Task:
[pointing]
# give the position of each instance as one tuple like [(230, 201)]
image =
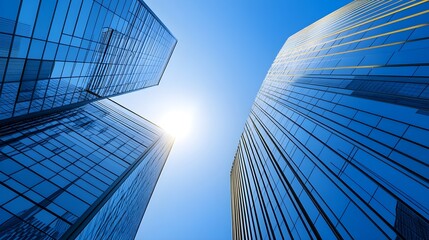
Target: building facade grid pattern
[(59, 168), (72, 163), (336, 142), (56, 53)]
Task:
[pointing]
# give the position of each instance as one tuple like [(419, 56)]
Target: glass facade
[(58, 53), (337, 142), (85, 173), (74, 165)]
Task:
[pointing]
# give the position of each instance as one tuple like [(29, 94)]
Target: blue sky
[(224, 50)]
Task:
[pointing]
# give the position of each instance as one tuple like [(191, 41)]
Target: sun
[(177, 123)]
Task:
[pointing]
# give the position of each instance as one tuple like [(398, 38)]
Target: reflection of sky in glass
[(56, 167), (224, 50), (333, 136), (91, 46)]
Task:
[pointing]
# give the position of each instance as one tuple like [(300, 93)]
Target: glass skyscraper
[(87, 172), (60, 53), (337, 141), (74, 165)]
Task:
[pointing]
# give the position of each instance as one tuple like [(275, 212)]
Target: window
[(27, 16)]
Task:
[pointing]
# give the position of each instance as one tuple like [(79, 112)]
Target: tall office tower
[(62, 53), (72, 167), (337, 141), (84, 173)]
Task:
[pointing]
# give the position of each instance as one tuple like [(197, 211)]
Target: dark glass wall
[(57, 53), (89, 171), (337, 141)]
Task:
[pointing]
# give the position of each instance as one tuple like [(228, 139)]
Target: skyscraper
[(74, 165), (336, 144), (61, 53), (87, 172)]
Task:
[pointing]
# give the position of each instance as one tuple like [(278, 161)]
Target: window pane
[(14, 70), (5, 41), (58, 21), (44, 19), (72, 17), (27, 17), (20, 47), (36, 49), (8, 12)]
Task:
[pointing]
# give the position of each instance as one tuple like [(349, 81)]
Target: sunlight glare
[(177, 123)]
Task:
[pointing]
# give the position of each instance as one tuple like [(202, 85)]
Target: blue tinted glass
[(18, 205), (72, 16), (58, 20), (362, 81), (44, 18), (20, 47), (83, 17), (6, 41), (8, 13), (6, 195), (14, 70), (36, 49), (27, 17)]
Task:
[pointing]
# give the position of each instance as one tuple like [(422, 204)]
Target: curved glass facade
[(57, 53), (336, 144)]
